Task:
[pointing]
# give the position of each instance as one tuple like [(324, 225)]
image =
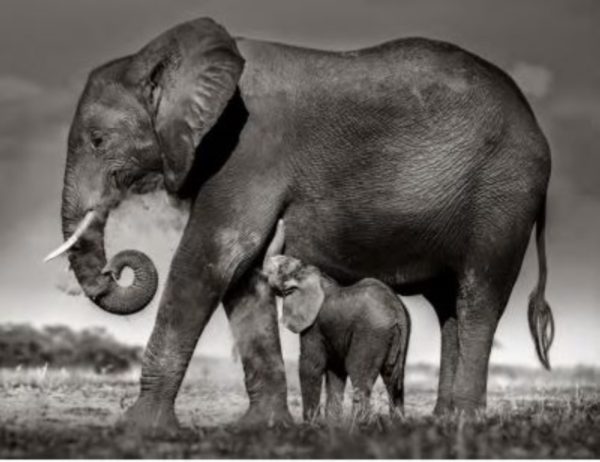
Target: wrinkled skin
[(358, 331), (413, 162)]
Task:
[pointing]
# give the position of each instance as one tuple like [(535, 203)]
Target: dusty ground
[(71, 414)]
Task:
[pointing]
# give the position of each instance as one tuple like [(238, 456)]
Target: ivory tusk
[(277, 243), (83, 225)]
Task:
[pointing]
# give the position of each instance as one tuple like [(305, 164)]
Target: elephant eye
[(288, 290), (96, 140)]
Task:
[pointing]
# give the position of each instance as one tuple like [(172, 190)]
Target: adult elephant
[(413, 161)]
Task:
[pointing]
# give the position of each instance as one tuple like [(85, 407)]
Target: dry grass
[(47, 413)]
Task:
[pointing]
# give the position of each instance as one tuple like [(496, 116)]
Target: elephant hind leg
[(482, 297), (479, 308), (443, 298), (363, 363), (395, 389), (484, 287)]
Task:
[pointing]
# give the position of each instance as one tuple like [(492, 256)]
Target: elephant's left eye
[(287, 291), (96, 140)]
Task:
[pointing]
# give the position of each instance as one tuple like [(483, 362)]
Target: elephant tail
[(541, 321)]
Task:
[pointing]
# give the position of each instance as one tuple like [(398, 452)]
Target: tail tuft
[(541, 325), (541, 321)]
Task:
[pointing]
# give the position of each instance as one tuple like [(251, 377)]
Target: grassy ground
[(71, 414)]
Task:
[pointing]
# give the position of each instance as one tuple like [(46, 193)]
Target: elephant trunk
[(88, 260)]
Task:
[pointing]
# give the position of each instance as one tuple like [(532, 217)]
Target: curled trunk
[(97, 278)]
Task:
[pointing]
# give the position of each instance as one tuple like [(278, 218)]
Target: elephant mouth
[(145, 184)]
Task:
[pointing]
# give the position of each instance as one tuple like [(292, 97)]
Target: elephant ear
[(302, 305), (186, 77)]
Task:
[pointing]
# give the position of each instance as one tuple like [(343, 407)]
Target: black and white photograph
[(317, 229)]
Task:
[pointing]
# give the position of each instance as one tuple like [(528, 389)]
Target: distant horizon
[(436, 366), (294, 359)]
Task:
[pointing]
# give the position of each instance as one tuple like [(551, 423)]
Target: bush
[(60, 346)]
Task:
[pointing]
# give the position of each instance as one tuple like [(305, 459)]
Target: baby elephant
[(359, 331)]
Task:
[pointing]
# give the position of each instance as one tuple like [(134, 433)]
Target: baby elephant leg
[(392, 371), (395, 389), (312, 368), (363, 363), (335, 385), (362, 384)]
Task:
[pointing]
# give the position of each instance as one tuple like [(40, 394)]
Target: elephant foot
[(362, 416), (151, 419), (459, 408), (443, 407), (331, 417), (468, 405), (397, 414), (266, 416)]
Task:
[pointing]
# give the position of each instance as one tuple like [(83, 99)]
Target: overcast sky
[(47, 48)]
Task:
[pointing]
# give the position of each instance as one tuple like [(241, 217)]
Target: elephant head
[(301, 289), (299, 284), (141, 115)]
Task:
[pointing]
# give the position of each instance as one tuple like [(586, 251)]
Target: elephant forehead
[(287, 266), (107, 115)]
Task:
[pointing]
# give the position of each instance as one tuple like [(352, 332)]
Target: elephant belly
[(353, 243), (402, 217)]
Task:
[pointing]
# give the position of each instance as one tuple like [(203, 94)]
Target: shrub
[(60, 346)]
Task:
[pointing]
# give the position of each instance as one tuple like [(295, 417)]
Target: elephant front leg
[(252, 314), (200, 273), (229, 225), (184, 310)]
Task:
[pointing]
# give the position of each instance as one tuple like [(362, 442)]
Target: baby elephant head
[(298, 284), (300, 287)]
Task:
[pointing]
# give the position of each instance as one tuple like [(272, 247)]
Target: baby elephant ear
[(301, 307), (186, 77)]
